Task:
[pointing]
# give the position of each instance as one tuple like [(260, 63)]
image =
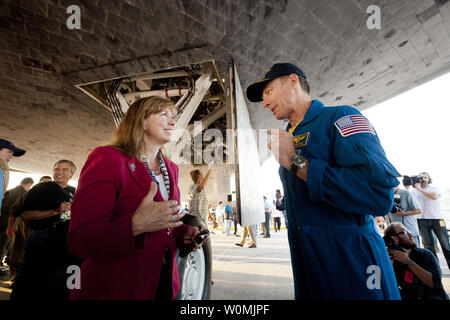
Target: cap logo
[(265, 76)]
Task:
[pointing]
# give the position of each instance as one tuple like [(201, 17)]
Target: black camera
[(390, 244), (411, 180), (199, 239), (396, 207)]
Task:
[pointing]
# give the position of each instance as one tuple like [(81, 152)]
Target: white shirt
[(266, 206), (198, 202), (162, 188), (431, 209), (220, 211), (276, 213)]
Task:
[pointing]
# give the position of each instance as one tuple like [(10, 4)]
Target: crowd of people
[(125, 217), (34, 226)]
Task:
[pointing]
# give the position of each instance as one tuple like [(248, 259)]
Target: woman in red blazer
[(124, 220)]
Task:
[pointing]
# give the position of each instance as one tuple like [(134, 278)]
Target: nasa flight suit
[(336, 253)]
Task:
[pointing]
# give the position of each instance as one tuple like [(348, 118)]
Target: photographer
[(280, 205), (431, 220), (405, 210), (417, 271)]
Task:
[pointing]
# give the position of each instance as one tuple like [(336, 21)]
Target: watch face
[(298, 161)]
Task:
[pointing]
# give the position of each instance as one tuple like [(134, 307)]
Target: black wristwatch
[(297, 162)]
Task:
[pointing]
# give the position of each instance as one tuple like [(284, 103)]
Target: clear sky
[(414, 129)]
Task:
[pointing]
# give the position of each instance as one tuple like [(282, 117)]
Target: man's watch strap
[(297, 162)]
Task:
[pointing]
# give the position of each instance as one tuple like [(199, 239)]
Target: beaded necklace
[(162, 169)]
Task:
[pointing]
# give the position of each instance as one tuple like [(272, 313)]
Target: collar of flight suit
[(313, 111)]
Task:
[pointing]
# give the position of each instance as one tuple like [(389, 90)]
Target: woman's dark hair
[(194, 175)]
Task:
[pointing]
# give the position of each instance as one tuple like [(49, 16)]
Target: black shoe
[(238, 244), (261, 234), (266, 236), (252, 246)]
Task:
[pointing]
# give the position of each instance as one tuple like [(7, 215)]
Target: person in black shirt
[(47, 209), (19, 230), (417, 270), (9, 200)]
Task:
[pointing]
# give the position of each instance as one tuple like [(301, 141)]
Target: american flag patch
[(352, 124)]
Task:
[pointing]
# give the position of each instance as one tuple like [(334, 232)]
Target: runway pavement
[(263, 272), (242, 273)]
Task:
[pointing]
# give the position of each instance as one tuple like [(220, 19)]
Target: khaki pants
[(248, 230)]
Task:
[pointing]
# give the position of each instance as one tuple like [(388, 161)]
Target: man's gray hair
[(72, 164)]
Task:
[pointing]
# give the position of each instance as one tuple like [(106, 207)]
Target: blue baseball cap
[(8, 145), (254, 91)]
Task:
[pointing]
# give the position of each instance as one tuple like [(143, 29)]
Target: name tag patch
[(353, 124)]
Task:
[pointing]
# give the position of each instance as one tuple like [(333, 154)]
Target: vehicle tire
[(195, 270)]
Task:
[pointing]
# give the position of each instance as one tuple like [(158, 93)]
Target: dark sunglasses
[(405, 232)]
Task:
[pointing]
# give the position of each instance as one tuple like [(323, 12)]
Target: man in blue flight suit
[(336, 177)]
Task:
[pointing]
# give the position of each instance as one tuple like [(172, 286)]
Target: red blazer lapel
[(141, 176)]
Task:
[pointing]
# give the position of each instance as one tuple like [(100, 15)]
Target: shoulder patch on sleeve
[(353, 124)]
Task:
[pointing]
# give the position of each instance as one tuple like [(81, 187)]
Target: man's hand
[(282, 146), (64, 206), (400, 256), (418, 186), (400, 212), (10, 232), (153, 216)]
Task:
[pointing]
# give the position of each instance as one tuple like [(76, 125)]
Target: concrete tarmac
[(242, 273), (262, 273)]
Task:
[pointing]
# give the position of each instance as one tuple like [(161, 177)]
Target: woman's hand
[(190, 237), (153, 216)]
